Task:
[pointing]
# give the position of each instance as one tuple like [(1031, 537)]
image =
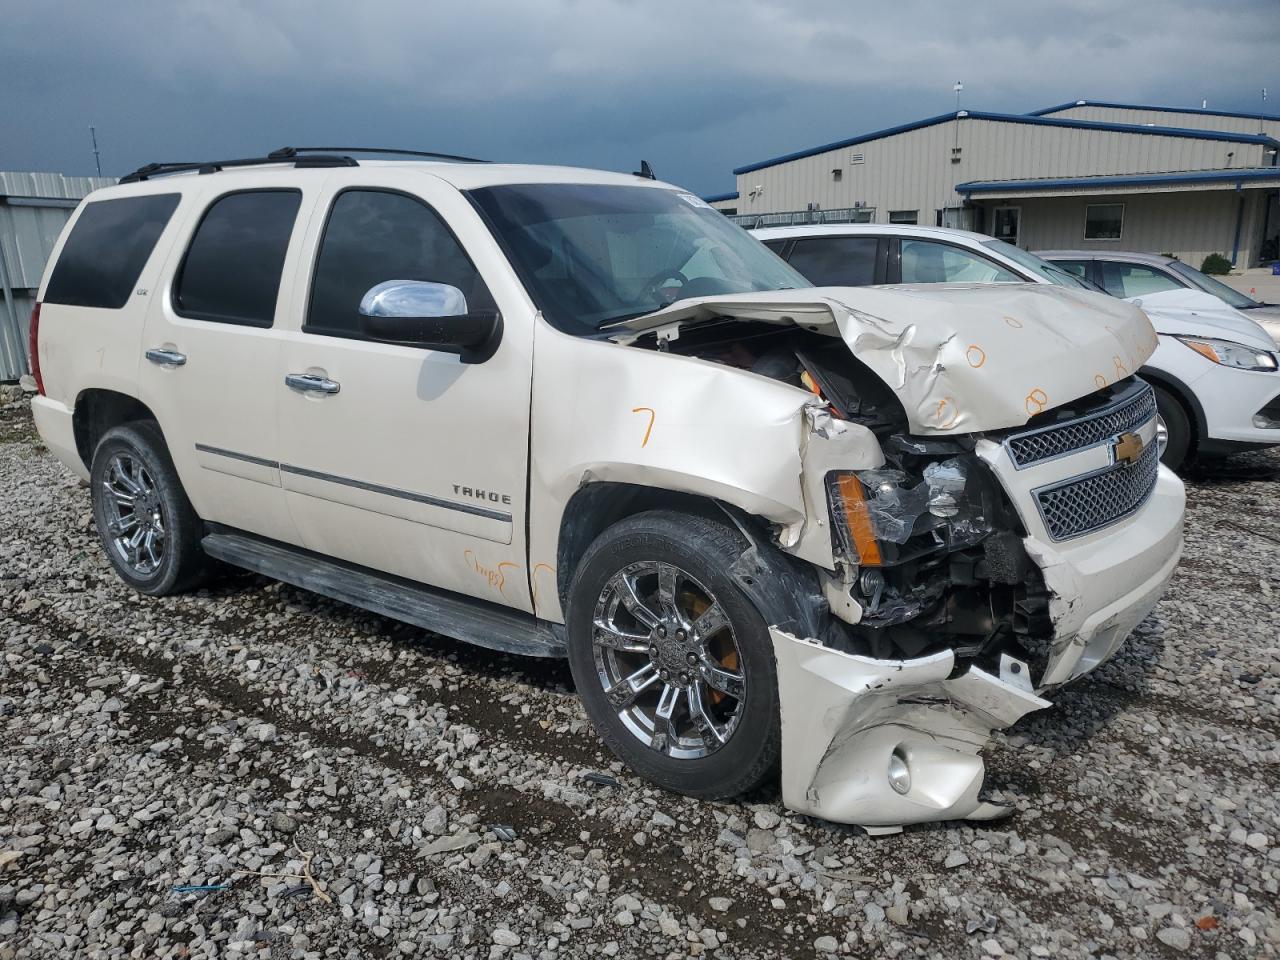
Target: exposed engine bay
[(950, 571)]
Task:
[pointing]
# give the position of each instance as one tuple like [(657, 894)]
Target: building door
[(1005, 222)]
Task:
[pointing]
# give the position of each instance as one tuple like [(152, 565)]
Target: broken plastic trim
[(850, 722)]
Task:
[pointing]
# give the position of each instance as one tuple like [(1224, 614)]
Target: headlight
[(884, 517), (1231, 354)]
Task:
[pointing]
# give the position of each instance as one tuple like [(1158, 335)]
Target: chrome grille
[(1091, 502), (1090, 430)]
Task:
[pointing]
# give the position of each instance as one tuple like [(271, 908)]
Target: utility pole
[(1262, 114), (97, 161), (957, 88)]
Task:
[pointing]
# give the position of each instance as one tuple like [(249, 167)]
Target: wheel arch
[(97, 410), (784, 589), (1184, 395)]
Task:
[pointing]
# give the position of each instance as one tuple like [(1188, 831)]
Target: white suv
[(562, 412), (1214, 372)]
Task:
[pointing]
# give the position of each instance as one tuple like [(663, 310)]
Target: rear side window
[(107, 249), (373, 236), (231, 273), (1077, 268), (837, 261)]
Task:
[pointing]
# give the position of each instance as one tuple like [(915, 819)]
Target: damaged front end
[(956, 478)]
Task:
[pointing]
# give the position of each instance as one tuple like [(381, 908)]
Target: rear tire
[(1177, 426), (147, 526), (692, 638)]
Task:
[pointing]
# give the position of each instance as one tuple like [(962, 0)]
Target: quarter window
[(107, 249), (837, 261), (1103, 221), (924, 261), (231, 273), (373, 236)]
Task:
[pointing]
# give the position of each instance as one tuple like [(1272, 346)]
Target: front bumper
[(1230, 399), (845, 716)]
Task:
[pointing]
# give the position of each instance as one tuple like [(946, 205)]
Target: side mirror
[(419, 313)]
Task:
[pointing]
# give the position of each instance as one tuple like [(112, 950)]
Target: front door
[(212, 343), (401, 458), (1005, 222)]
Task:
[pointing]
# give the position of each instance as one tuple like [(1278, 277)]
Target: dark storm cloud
[(695, 87)]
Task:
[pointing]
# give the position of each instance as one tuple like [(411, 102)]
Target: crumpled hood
[(960, 357), (1196, 313)]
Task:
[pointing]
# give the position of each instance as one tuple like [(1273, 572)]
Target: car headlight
[(1231, 354), (884, 517)]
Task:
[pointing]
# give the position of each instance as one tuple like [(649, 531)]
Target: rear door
[(840, 261), (211, 352), (401, 458)]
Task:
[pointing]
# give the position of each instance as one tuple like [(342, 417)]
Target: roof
[(1146, 106), (719, 197), (1154, 259), (874, 229), (1131, 128), (1240, 176), (463, 176)]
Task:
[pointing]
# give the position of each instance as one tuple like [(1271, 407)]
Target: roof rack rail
[(285, 153), (213, 166)]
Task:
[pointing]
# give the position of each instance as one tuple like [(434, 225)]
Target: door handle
[(308, 383), (166, 358)]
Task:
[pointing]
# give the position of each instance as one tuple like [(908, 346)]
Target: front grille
[(1084, 504), (1130, 411)]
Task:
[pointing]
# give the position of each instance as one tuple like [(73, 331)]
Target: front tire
[(1176, 427), (673, 662), (147, 526)]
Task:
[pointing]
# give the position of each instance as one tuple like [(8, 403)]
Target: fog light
[(1263, 422), (899, 772)]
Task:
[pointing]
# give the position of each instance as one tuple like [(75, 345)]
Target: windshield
[(1219, 289), (592, 254), (1036, 265)]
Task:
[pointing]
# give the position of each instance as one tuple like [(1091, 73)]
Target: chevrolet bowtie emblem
[(1128, 447)]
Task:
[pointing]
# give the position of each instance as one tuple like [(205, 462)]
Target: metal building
[(34, 207), (1079, 175)]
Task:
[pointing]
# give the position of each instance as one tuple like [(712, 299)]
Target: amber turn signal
[(857, 520)]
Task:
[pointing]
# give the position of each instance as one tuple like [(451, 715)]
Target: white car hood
[(960, 357), (1196, 313)]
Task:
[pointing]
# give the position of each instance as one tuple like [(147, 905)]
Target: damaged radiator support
[(882, 743)]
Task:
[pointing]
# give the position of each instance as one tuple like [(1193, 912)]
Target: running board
[(453, 615)]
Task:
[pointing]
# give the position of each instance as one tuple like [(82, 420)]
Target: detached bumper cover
[(844, 716)]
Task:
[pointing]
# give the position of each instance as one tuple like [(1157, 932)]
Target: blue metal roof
[(1147, 106), (1016, 118), (1123, 180), (717, 197)]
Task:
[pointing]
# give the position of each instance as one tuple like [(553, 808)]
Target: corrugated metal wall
[(1168, 118), (34, 207), (913, 170)]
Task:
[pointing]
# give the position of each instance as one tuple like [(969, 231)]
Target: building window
[(837, 174), (904, 216), (1103, 221)]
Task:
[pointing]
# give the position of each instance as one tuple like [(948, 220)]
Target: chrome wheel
[(1162, 434), (668, 660), (134, 515)]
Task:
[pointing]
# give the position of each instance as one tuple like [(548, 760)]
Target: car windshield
[(1038, 265), (1208, 284), (595, 254)]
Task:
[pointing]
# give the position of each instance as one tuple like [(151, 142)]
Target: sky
[(695, 87)]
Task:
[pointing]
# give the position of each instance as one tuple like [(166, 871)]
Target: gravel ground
[(250, 736)]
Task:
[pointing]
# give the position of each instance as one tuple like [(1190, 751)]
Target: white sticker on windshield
[(693, 201)]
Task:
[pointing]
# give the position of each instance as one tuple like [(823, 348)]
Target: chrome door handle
[(166, 358), (309, 383)]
